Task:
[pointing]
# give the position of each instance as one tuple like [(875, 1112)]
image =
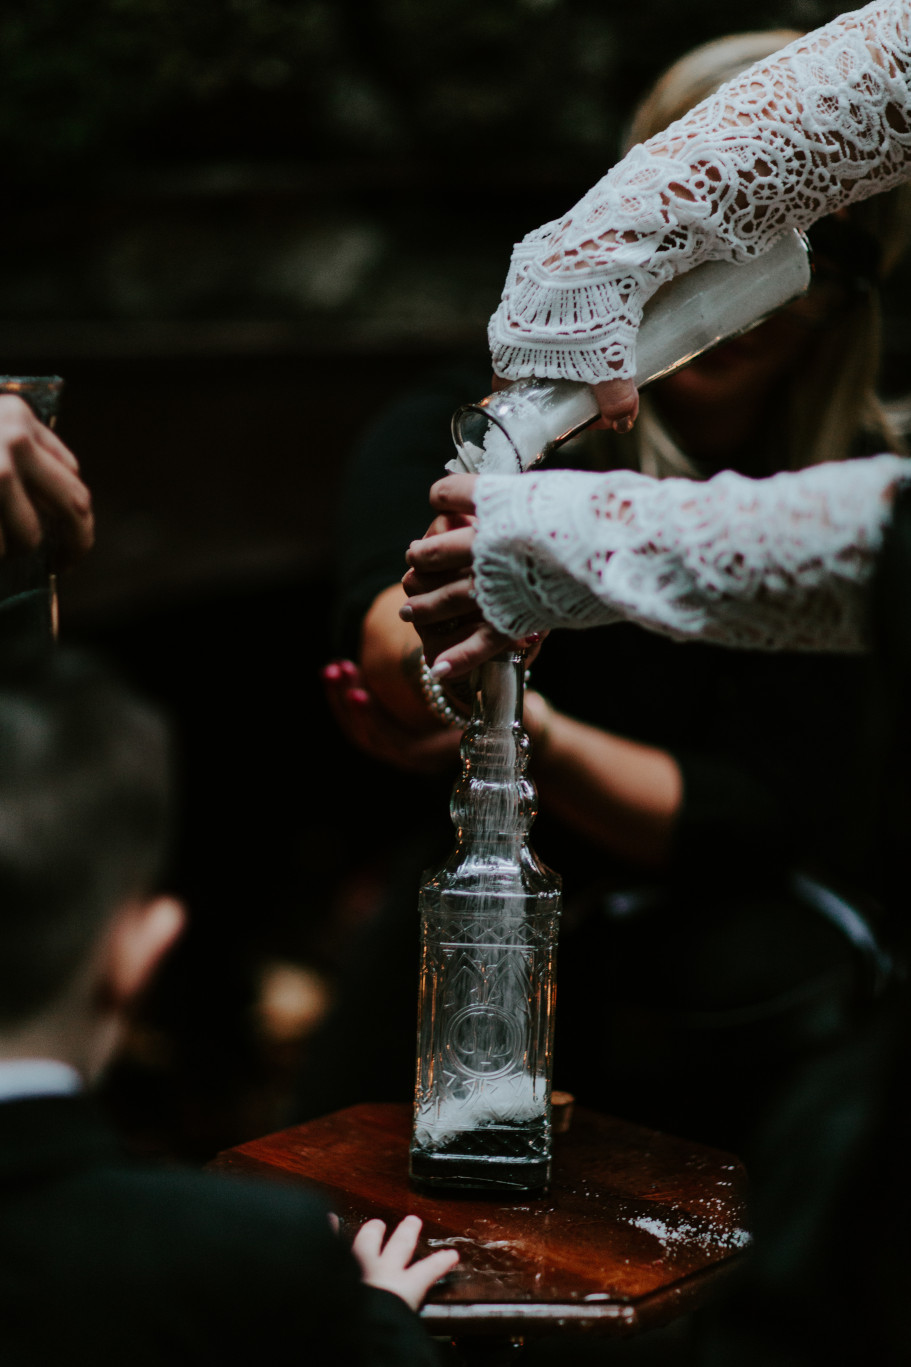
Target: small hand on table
[(387, 1266)]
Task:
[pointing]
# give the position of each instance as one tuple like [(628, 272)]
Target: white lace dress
[(779, 563)]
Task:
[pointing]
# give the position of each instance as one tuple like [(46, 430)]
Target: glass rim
[(480, 410)]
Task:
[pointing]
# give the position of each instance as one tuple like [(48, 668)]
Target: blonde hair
[(831, 400)]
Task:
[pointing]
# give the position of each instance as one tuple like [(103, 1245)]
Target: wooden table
[(637, 1228)]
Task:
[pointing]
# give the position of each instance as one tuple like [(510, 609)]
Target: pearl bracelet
[(436, 699)]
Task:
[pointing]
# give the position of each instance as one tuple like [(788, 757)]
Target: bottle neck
[(499, 692), (493, 802)]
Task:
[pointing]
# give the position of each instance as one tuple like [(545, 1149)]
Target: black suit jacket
[(104, 1262)]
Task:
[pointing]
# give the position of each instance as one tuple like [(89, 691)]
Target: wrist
[(539, 720), (443, 705), (389, 656)]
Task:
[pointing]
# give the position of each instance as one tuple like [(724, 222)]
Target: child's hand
[(388, 1267)]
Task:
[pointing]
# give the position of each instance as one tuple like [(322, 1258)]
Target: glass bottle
[(509, 431), (489, 921)]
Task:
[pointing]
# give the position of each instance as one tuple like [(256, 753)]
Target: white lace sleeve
[(772, 564), (825, 122)]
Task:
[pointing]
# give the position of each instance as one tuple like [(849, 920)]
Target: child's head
[(84, 799)]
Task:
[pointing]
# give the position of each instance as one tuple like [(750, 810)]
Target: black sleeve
[(764, 742), (775, 781), (883, 789), (395, 1333), (384, 495), (730, 816), (260, 1259)]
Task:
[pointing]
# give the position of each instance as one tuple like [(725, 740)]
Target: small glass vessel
[(489, 921), (514, 428)]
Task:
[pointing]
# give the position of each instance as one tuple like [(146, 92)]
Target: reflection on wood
[(637, 1227)]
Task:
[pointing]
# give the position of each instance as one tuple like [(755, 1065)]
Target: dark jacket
[(104, 1261)]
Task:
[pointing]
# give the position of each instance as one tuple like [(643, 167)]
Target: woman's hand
[(618, 401), (440, 586), (373, 729)]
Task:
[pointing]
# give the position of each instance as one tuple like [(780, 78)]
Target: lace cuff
[(824, 123), (773, 564)]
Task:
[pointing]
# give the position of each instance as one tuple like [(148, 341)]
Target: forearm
[(825, 122), (780, 563), (623, 796), (390, 661)]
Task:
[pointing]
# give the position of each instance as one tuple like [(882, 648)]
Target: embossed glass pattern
[(489, 922)]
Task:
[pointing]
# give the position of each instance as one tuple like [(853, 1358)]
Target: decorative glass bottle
[(489, 921)]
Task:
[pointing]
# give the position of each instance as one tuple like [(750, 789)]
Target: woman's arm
[(379, 703), (774, 564), (824, 123), (390, 659), (623, 796)]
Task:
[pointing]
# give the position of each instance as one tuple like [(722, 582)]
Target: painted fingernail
[(533, 638), (358, 696), (623, 425), (406, 612), (441, 669), (331, 673)]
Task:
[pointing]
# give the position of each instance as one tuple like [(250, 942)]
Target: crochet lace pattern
[(772, 564), (825, 122)]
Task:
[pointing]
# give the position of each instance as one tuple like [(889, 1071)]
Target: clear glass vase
[(489, 920)]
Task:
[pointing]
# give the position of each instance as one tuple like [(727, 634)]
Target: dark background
[(237, 229)]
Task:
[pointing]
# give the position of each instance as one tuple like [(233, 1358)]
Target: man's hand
[(388, 1267), (39, 476)]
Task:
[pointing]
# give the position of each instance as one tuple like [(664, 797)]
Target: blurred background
[(238, 228)]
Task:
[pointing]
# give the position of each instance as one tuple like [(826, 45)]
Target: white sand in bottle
[(515, 1100)]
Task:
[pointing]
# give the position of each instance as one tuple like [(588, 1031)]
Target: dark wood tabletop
[(637, 1227)]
